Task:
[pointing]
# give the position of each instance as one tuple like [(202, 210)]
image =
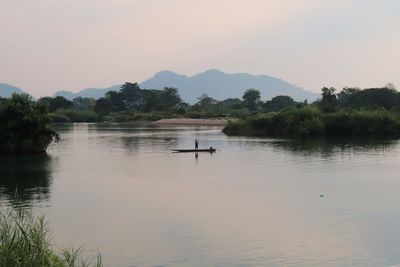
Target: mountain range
[(6, 90), (214, 83)]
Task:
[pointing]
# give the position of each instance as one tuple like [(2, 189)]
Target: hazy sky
[(50, 45)]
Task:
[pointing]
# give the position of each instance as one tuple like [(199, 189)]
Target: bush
[(24, 126), (59, 118), (121, 117), (69, 115), (308, 122)]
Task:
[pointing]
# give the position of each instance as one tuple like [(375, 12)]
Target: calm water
[(256, 202)]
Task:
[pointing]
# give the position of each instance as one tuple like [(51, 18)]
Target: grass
[(25, 241)]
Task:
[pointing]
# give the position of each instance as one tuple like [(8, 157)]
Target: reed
[(25, 241)]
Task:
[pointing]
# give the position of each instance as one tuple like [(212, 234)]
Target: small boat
[(209, 150)]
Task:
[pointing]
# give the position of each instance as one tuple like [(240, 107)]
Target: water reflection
[(26, 176), (327, 148), (256, 202)]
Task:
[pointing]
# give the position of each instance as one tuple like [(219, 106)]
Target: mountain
[(220, 85), (7, 90), (214, 83), (95, 93)]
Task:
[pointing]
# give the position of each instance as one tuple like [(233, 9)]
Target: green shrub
[(24, 126), (121, 117), (70, 115), (59, 118), (308, 122)]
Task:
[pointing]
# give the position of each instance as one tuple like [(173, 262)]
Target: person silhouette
[(196, 145)]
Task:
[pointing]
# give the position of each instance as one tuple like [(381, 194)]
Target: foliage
[(59, 118), (251, 99), (24, 126), (232, 104), (205, 103), (169, 98), (25, 241), (278, 103), (369, 98), (134, 99), (120, 117), (132, 96), (308, 122), (329, 101), (69, 115), (83, 104), (55, 103)]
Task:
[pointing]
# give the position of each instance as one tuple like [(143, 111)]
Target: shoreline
[(188, 121)]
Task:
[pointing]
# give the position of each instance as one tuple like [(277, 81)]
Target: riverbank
[(188, 121)]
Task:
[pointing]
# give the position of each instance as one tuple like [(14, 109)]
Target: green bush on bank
[(121, 117), (24, 126), (70, 115), (308, 122)]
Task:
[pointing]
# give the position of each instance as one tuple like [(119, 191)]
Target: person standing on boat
[(196, 145)]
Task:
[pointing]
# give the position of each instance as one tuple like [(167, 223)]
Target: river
[(255, 202)]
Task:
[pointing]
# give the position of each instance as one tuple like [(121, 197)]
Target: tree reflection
[(26, 177), (328, 147)]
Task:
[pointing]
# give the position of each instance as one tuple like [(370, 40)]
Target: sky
[(48, 45)]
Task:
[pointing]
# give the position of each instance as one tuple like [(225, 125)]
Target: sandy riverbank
[(187, 121)]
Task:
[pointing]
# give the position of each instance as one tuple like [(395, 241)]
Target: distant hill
[(95, 93), (7, 90), (214, 83), (220, 85)]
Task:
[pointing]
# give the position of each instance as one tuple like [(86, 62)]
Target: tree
[(132, 96), (24, 126), (170, 98), (232, 103), (103, 106), (59, 102), (251, 99), (278, 103), (152, 100), (56, 103), (206, 102), (345, 95), (372, 98), (329, 101), (80, 103), (116, 101)]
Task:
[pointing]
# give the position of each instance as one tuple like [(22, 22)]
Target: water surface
[(256, 202)]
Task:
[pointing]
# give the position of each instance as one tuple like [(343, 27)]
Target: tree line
[(352, 112), (132, 103), (131, 99)]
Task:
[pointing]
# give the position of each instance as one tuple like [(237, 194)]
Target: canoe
[(194, 150)]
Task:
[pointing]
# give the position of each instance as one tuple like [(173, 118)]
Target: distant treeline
[(133, 103), (350, 113)]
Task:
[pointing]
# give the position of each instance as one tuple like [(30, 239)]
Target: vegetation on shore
[(133, 103), (352, 113), (24, 126), (25, 241), (312, 122)]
